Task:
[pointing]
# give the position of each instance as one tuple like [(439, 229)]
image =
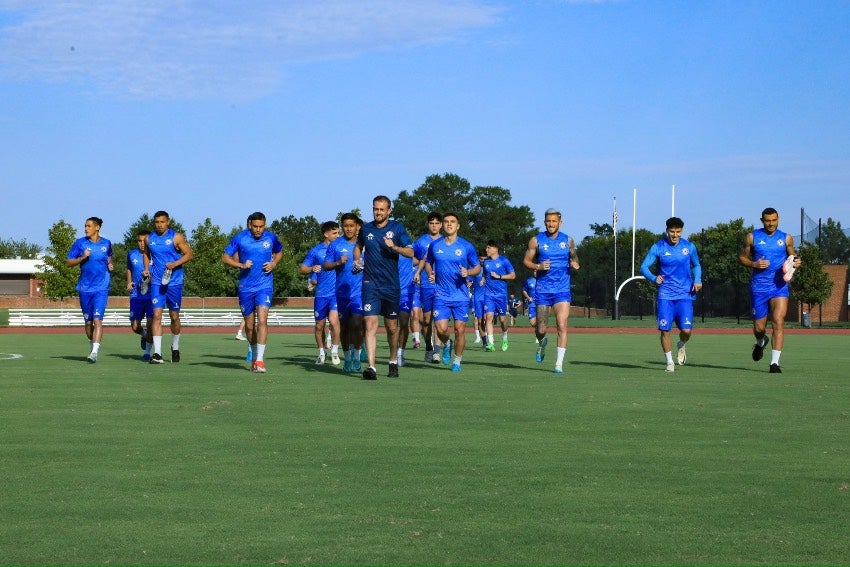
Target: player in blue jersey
[(678, 279), (93, 254), (325, 310), (407, 293), (379, 244), (140, 293), (553, 255), (256, 252), (765, 251), (451, 260), (528, 290), (166, 253), (497, 272), (349, 296), (423, 303), (478, 296)]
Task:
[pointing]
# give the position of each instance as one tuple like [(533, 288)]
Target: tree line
[(485, 214)]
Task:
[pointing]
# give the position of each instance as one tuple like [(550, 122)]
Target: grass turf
[(613, 462)]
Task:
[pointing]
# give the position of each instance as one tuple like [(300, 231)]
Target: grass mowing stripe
[(616, 461)]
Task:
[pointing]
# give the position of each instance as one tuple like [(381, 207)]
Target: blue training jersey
[(774, 248), (446, 260), (503, 267), (136, 265), (420, 251), (679, 265), (557, 250), (381, 263), (94, 272), (348, 284), (259, 251), (326, 279), (529, 286), (163, 251)]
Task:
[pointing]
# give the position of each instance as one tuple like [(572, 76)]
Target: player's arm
[(530, 258), (696, 268), (745, 257), (574, 263), (276, 258), (182, 246), (647, 265), (789, 250)]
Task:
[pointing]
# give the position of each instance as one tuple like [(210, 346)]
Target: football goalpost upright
[(633, 277)]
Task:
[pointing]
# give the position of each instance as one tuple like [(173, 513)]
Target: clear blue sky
[(215, 109)]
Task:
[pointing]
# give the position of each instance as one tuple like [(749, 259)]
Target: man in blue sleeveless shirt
[(140, 293), (765, 251)]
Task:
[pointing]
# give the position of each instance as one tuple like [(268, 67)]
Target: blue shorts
[(163, 296), (532, 310), (424, 298), (141, 308), (478, 305), (550, 299), (377, 302), (405, 303), (497, 305), (322, 306), (458, 310), (679, 310), (250, 301), (761, 301), (349, 306), (93, 304)]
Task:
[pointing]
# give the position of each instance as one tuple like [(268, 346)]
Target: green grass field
[(613, 462)]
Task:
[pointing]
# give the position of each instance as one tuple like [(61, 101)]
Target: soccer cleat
[(447, 352), (788, 268), (681, 356), (758, 350), (670, 367), (143, 342), (456, 367), (504, 345), (393, 373), (370, 374), (429, 354), (417, 344), (166, 276), (355, 365), (541, 349), (175, 355), (401, 360), (335, 358), (146, 357), (156, 358), (490, 348), (477, 340), (774, 369), (92, 357), (435, 358), (558, 369), (346, 366), (364, 356), (259, 367), (240, 336), (320, 359)]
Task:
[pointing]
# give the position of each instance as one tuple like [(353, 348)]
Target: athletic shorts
[(349, 306), (457, 310), (405, 304), (377, 302), (761, 301), (93, 304), (140, 308), (250, 301), (496, 304), (424, 298), (163, 296), (550, 299), (322, 306), (680, 311)]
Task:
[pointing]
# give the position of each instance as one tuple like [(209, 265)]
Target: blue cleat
[(541, 350), (250, 356), (447, 352), (456, 367)]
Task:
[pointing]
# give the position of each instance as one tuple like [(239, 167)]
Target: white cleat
[(681, 356), (335, 358), (320, 359), (670, 367)]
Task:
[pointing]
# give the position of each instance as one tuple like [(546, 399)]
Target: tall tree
[(60, 281), (725, 280), (833, 243), (811, 284), (18, 249), (297, 235), (206, 274)]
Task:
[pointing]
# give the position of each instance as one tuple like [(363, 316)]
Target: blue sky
[(216, 109)]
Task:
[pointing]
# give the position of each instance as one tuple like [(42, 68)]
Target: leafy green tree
[(18, 249), (206, 274), (60, 281), (485, 213), (298, 236), (811, 284), (725, 280), (833, 243)]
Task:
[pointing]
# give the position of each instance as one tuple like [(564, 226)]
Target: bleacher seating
[(191, 317)]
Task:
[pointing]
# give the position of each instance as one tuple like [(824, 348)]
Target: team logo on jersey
[(780, 242), (390, 234), (135, 260), (267, 244), (458, 252), (367, 307), (154, 300), (685, 251), (168, 242), (562, 245), (103, 249), (663, 322), (370, 236)]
